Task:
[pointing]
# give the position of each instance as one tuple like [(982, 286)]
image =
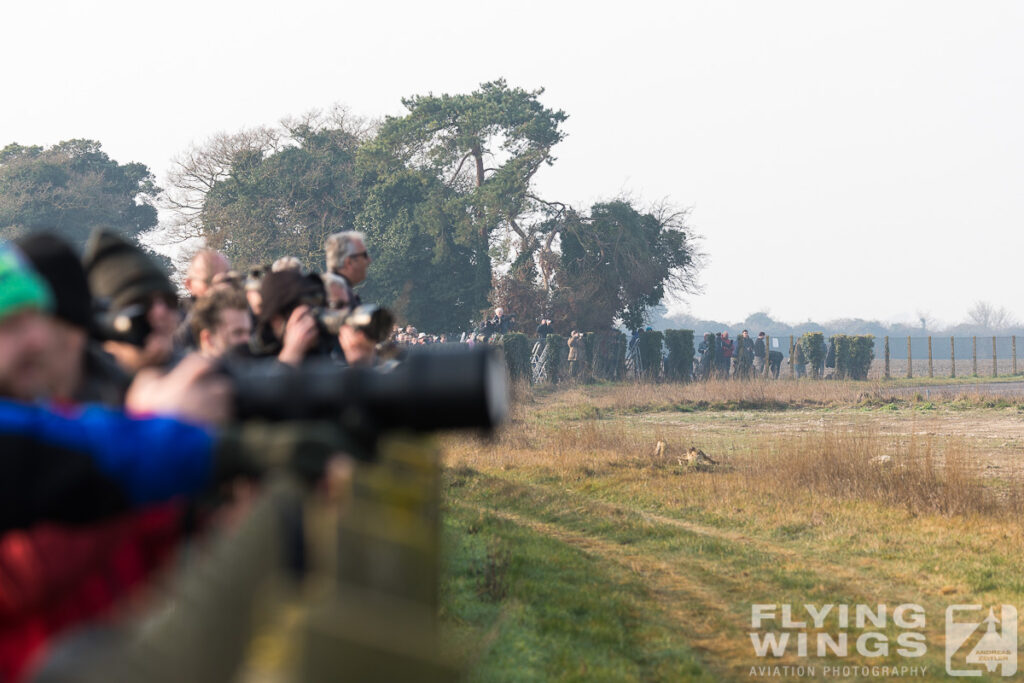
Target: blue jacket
[(93, 463)]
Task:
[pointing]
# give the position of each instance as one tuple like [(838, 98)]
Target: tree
[(72, 188), (983, 314), (269, 192), (485, 147), (617, 263), (421, 270)]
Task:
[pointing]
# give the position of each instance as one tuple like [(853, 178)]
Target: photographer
[(575, 343), (139, 297), (287, 328), (296, 326)]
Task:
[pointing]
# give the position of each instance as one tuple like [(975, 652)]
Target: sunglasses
[(364, 254)]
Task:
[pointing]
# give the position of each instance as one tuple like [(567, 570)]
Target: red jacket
[(53, 577)]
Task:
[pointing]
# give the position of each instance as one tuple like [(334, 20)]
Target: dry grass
[(590, 430), (802, 507)]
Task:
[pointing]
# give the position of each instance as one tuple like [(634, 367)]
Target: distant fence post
[(792, 365), (930, 371), (995, 368), (1013, 350), (974, 355), (887, 358), (952, 357), (910, 361)]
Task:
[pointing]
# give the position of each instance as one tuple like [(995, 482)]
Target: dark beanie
[(55, 260), (284, 291), (120, 271)]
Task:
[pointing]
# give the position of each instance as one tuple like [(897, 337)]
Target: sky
[(838, 159)]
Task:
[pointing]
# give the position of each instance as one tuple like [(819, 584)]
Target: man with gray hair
[(347, 256)]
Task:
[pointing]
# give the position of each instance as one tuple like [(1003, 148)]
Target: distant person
[(725, 357), (337, 290), (796, 359), (253, 282), (830, 354), (286, 263), (575, 343), (348, 257), (706, 356), (544, 329), (744, 355), (500, 322), (760, 351), (205, 270), (774, 363), (204, 267)]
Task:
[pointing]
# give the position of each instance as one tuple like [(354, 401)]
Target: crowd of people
[(745, 357), (115, 414)]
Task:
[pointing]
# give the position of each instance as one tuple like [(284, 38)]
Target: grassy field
[(574, 552)]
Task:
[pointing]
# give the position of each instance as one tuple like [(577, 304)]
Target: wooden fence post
[(952, 357), (1013, 350), (792, 365), (887, 358), (930, 372), (974, 355), (910, 361), (995, 367)]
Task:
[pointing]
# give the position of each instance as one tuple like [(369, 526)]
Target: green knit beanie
[(20, 287)]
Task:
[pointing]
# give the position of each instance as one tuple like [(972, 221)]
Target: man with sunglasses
[(347, 256)]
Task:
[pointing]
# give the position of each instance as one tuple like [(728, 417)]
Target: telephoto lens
[(433, 389)]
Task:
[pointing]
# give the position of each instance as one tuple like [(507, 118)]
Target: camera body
[(129, 324)]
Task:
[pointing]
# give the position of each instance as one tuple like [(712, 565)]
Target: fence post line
[(952, 357), (995, 367), (767, 353), (887, 357), (792, 366), (930, 372), (910, 361), (974, 355), (1013, 350)]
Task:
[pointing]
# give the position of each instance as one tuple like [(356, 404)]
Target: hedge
[(854, 354), (814, 355), (679, 364), (609, 355), (650, 344), (517, 356), (556, 351)]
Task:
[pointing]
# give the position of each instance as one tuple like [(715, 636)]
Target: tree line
[(446, 195)]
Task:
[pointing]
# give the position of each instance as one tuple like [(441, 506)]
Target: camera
[(129, 324), (372, 320)]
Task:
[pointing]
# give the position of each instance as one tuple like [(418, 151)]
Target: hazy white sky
[(855, 159)]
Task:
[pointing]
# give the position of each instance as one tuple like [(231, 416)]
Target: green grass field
[(574, 552)]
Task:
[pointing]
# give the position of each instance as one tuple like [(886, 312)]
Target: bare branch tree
[(985, 314)]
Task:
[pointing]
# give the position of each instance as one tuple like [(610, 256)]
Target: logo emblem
[(978, 644)]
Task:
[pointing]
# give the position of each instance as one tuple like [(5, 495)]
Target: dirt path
[(702, 609)]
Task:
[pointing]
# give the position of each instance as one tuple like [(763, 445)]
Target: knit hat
[(54, 259), (20, 287), (121, 271)]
